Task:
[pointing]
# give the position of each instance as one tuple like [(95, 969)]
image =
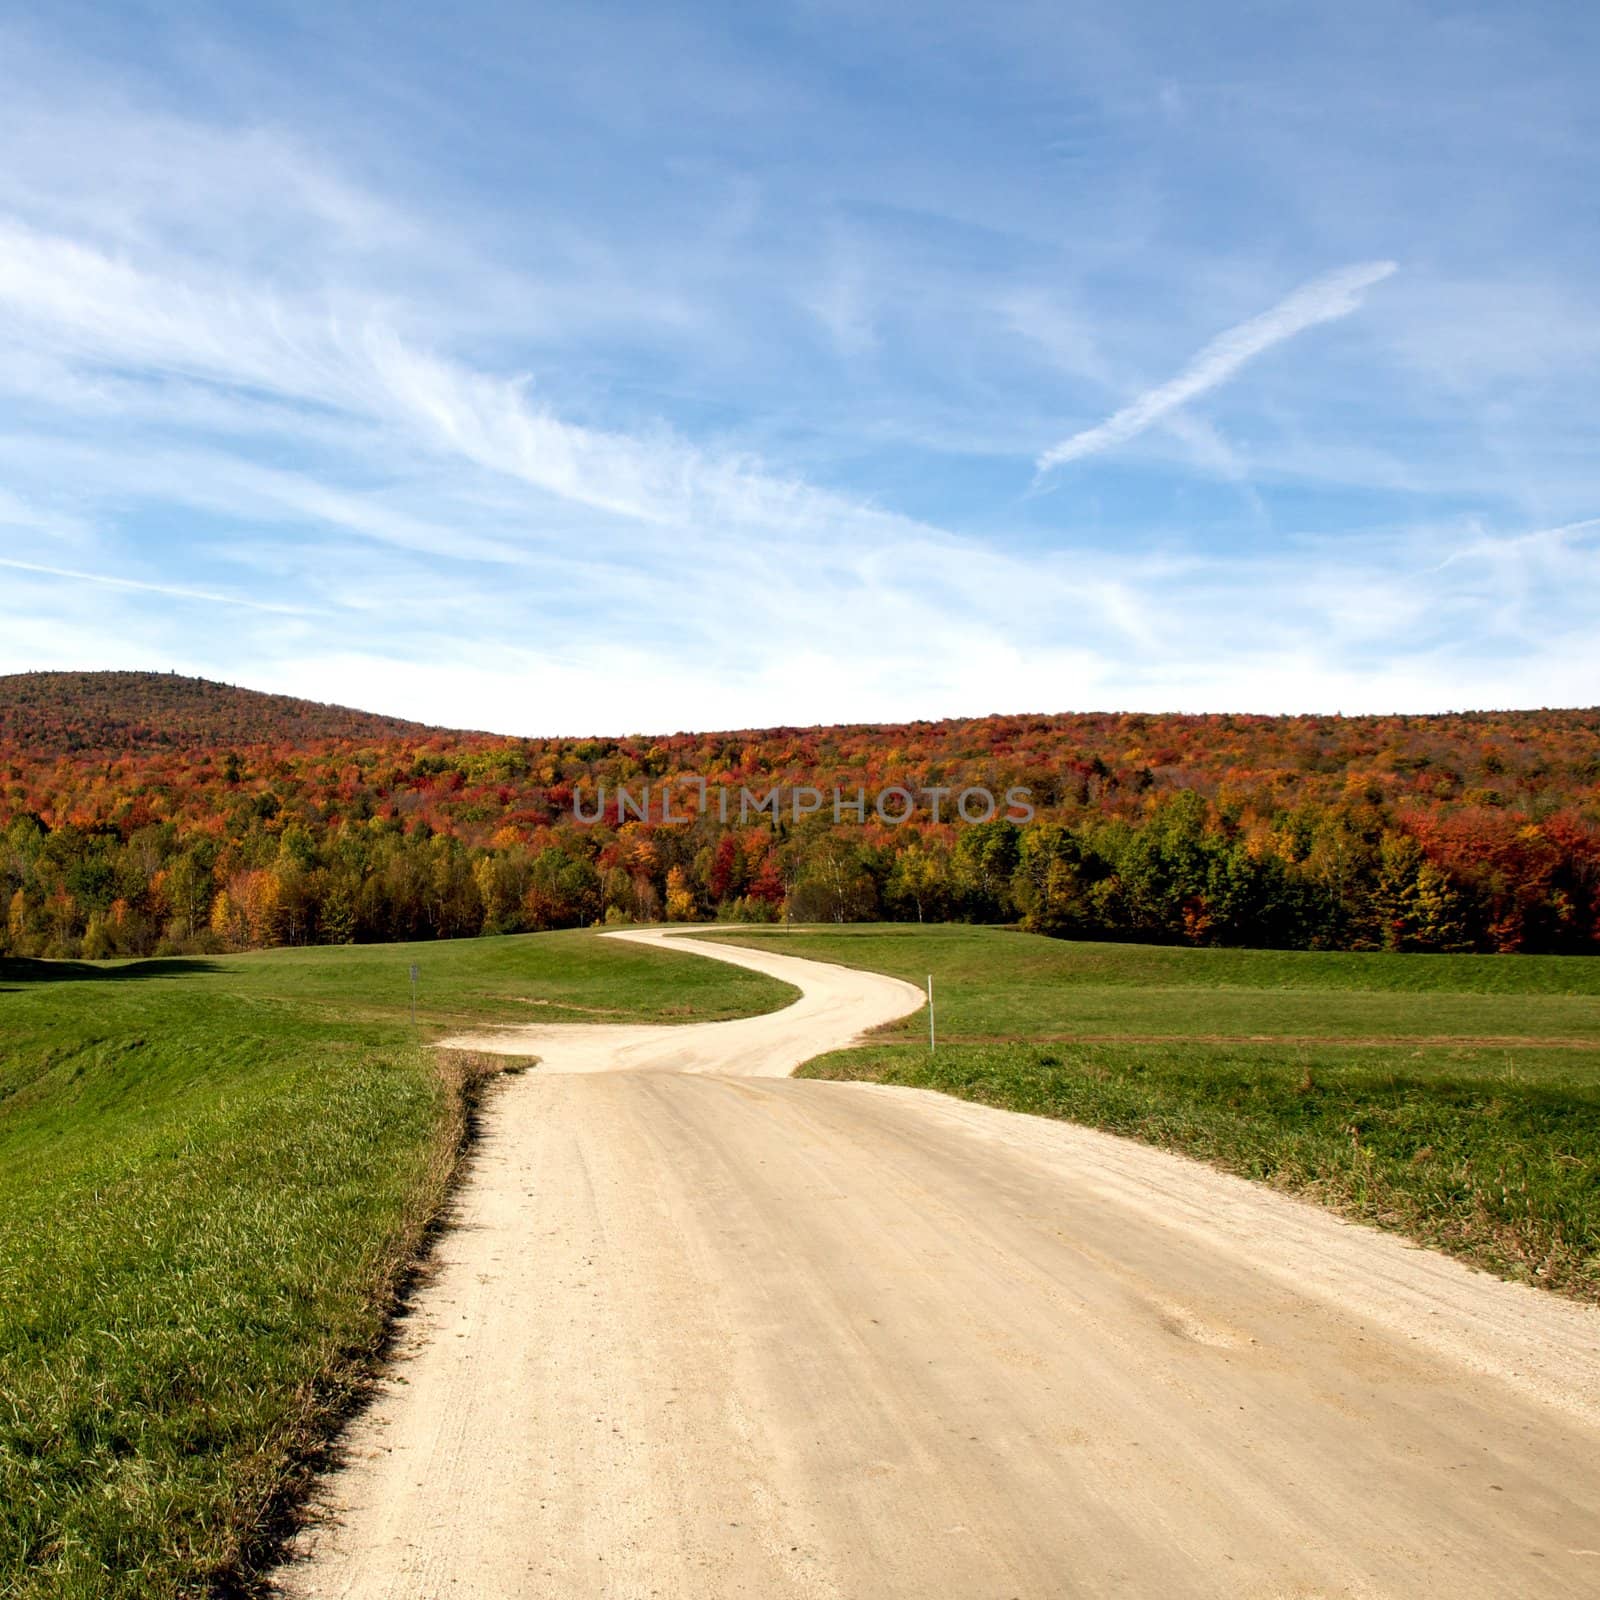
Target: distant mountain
[(67, 713)]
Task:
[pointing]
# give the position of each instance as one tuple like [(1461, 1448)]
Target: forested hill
[(62, 713), (141, 812), (1547, 751)]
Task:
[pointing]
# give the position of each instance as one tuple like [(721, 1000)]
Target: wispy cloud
[(1324, 299), (555, 445), (171, 591)]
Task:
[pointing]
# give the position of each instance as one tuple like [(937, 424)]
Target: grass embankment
[(1455, 1098), (213, 1175)]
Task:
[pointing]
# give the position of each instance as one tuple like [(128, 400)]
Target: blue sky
[(615, 368)]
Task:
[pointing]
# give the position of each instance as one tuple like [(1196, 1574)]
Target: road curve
[(711, 1336), (836, 1006)]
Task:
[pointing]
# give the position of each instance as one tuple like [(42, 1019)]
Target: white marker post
[(930, 1014)]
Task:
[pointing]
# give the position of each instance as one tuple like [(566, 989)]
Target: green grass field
[(213, 1174), (1455, 1098)]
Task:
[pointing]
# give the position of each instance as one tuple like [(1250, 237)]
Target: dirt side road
[(708, 1336)]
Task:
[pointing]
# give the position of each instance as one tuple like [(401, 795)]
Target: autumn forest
[(152, 814)]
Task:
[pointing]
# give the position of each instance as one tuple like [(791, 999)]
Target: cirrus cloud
[(1324, 299)]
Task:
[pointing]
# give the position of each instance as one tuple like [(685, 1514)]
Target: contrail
[(1324, 299), (205, 595)]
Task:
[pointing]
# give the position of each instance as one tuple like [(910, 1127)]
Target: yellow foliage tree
[(680, 897), (257, 898), (225, 921)]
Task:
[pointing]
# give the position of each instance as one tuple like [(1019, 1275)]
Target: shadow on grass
[(16, 970)]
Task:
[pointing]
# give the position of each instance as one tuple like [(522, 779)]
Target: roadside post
[(930, 1014)]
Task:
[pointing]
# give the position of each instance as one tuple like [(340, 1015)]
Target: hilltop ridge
[(65, 713)]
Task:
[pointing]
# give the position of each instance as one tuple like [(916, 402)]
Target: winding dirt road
[(703, 1332)]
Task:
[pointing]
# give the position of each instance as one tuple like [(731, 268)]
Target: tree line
[(1354, 875), (132, 823)]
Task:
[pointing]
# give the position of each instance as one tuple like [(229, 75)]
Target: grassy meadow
[(213, 1176), (214, 1172), (1454, 1098)]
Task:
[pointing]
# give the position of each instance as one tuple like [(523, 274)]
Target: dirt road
[(836, 1005), (711, 1336)]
